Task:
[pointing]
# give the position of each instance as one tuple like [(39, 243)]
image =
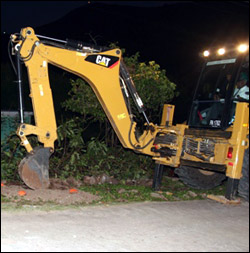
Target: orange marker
[(73, 190), (22, 193)]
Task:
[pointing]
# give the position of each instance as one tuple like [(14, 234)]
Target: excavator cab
[(214, 101)]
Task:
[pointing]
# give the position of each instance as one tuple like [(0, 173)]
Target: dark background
[(172, 33)]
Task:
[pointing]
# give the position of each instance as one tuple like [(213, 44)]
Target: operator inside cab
[(242, 87), (241, 93)]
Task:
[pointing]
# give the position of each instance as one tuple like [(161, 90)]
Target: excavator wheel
[(198, 178), (34, 169)]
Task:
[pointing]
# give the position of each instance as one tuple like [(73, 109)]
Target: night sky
[(173, 39), (18, 14)]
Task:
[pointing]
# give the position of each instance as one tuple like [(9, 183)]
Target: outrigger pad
[(34, 169)]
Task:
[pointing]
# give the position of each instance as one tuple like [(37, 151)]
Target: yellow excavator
[(204, 151)]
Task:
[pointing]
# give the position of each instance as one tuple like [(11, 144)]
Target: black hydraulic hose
[(20, 88), (18, 72), (28, 57), (132, 90), (12, 63), (129, 138), (125, 76)]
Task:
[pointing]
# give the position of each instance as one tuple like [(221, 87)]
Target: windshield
[(211, 100)]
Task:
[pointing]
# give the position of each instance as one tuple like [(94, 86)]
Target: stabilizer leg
[(157, 177), (231, 189)]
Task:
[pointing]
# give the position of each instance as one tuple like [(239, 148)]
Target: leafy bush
[(152, 85), (65, 160), (95, 158), (117, 162), (11, 155)]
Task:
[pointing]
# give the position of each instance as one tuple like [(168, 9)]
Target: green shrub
[(11, 155)]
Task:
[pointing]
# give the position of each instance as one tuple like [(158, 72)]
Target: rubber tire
[(194, 178), (243, 188)]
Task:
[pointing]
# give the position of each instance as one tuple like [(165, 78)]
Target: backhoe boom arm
[(100, 70)]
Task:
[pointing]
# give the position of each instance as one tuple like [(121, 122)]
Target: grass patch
[(119, 193), (171, 190), (4, 199)]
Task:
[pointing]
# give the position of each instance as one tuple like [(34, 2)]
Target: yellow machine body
[(105, 82)]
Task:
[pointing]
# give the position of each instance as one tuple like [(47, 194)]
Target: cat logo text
[(102, 60), (107, 61)]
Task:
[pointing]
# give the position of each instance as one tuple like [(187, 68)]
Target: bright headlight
[(206, 53), (221, 51), (242, 48)]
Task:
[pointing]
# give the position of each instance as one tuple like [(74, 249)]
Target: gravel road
[(189, 226)]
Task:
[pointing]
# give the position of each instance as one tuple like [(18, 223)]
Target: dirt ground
[(179, 226), (58, 192)]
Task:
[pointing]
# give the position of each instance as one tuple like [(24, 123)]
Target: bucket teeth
[(34, 169)]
